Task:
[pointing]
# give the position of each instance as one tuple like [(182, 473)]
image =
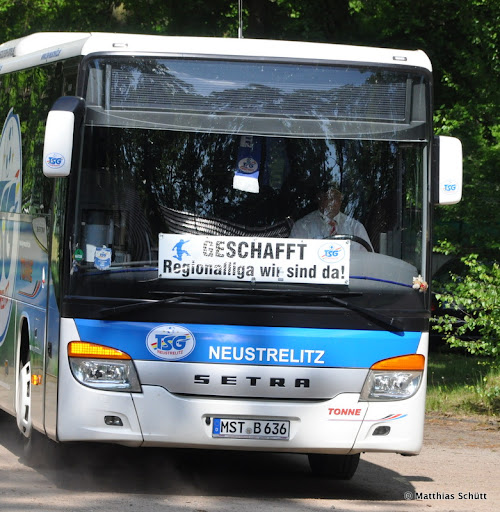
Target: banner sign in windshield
[(278, 260)]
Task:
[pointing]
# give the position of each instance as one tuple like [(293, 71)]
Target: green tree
[(475, 297), (22, 17), (461, 39)]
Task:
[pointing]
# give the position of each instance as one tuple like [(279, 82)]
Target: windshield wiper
[(262, 295), (389, 323), (119, 310), (287, 294)]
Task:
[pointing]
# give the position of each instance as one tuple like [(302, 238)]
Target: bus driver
[(328, 220)]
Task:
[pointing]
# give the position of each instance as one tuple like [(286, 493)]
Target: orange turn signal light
[(36, 380), (94, 351), (410, 362)]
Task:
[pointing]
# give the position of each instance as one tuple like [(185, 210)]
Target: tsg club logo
[(170, 342), (55, 160), (248, 165), (331, 252), (10, 202), (449, 187)]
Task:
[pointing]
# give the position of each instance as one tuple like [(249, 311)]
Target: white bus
[(218, 243)]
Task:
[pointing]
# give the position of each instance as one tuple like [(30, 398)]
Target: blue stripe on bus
[(266, 346)]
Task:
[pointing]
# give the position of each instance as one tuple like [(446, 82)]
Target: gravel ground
[(457, 470)]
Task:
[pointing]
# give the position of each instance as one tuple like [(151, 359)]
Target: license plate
[(251, 429)]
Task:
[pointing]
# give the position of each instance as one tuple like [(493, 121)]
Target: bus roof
[(44, 47)]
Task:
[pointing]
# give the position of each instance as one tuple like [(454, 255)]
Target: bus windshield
[(246, 150)]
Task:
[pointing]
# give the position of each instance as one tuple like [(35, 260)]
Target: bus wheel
[(337, 467), (23, 405), (31, 438)]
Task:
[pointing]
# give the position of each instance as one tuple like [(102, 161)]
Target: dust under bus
[(125, 159)]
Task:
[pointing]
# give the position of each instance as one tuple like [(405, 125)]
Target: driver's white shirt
[(316, 225)]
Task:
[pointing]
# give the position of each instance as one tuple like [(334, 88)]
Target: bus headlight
[(396, 378), (103, 367)]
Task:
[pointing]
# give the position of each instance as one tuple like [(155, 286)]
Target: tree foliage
[(22, 17), (475, 299)]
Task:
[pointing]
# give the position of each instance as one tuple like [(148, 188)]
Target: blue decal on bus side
[(263, 346), (10, 202)]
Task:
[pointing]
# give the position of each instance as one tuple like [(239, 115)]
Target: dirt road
[(457, 470)]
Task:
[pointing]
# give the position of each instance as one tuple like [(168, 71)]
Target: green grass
[(463, 384)]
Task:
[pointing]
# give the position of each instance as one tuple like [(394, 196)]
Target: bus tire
[(336, 467), (31, 439), (23, 400)]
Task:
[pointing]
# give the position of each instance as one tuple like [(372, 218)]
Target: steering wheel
[(353, 238)]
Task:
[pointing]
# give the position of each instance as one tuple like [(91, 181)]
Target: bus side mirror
[(447, 171), (62, 130)]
